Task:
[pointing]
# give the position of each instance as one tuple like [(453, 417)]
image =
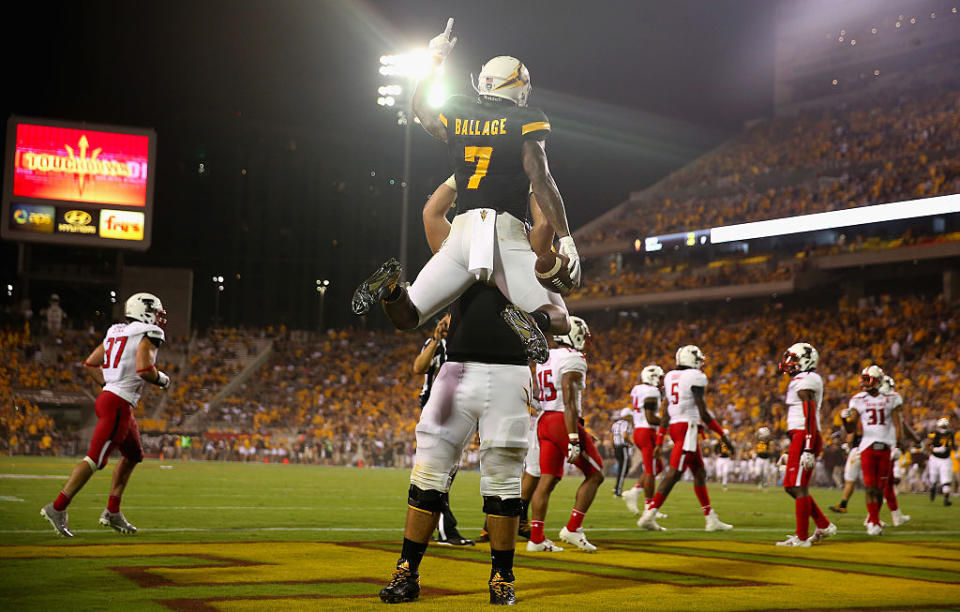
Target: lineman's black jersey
[(484, 140)]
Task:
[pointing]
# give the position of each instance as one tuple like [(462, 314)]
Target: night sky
[(287, 91)]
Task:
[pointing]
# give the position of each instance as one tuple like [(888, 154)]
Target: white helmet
[(690, 356), (578, 336), (763, 433), (652, 375), (943, 424), (800, 357), (504, 77), (888, 385), (625, 412), (146, 308), (871, 377)]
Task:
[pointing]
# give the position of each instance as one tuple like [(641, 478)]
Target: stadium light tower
[(217, 290), (322, 286), (405, 70)]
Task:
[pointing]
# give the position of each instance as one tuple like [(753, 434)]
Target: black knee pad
[(496, 505), (428, 501)]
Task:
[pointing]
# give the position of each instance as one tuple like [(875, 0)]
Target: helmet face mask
[(146, 308), (652, 375), (763, 433), (506, 78), (800, 357), (943, 424), (579, 336), (871, 378), (690, 356)]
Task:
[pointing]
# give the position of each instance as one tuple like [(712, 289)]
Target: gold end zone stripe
[(443, 119), (533, 127)]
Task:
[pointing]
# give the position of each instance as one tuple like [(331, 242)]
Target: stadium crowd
[(878, 150)]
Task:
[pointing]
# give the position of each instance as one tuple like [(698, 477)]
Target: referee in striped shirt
[(622, 429)]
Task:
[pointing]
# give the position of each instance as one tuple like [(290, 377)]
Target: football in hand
[(553, 274)]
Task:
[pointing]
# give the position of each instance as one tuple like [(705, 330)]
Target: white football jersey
[(638, 396), (876, 418), (120, 358), (809, 381), (895, 398), (680, 404), (549, 375)]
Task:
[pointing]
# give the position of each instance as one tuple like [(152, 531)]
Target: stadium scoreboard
[(76, 183)]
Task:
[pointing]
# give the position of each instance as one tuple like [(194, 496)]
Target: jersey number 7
[(481, 155), (122, 344)]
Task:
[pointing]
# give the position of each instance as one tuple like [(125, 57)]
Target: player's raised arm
[(94, 364), (548, 199), (431, 119)]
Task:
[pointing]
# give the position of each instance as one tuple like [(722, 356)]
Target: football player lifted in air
[(939, 464), (646, 398), (121, 364), (879, 421), (561, 381), (804, 396), (686, 410), (483, 386), (496, 145)]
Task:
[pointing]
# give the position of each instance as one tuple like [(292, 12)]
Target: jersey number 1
[(481, 155)]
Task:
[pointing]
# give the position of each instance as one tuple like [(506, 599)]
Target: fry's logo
[(121, 224), (76, 164)]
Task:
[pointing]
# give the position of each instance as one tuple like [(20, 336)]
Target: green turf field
[(229, 536)]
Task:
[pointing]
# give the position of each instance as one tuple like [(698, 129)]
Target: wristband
[(574, 438), (807, 443), (715, 427)]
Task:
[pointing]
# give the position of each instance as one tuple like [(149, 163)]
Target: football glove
[(441, 45), (573, 448), (568, 248), (163, 381), (845, 413), (807, 460)]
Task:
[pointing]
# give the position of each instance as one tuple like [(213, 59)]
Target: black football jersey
[(941, 440), (763, 449), (484, 141), (723, 450)]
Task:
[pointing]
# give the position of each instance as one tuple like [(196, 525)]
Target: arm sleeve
[(451, 182), (699, 380)]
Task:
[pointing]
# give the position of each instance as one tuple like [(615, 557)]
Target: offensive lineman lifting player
[(496, 146), (121, 364)]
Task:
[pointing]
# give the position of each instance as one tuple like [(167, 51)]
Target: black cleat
[(534, 342), (403, 586), (523, 530), (484, 536), (454, 541), (376, 287), (501, 590), (839, 508)]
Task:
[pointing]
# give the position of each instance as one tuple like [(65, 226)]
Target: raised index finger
[(449, 27)]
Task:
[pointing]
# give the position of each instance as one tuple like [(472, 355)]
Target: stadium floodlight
[(860, 215)]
